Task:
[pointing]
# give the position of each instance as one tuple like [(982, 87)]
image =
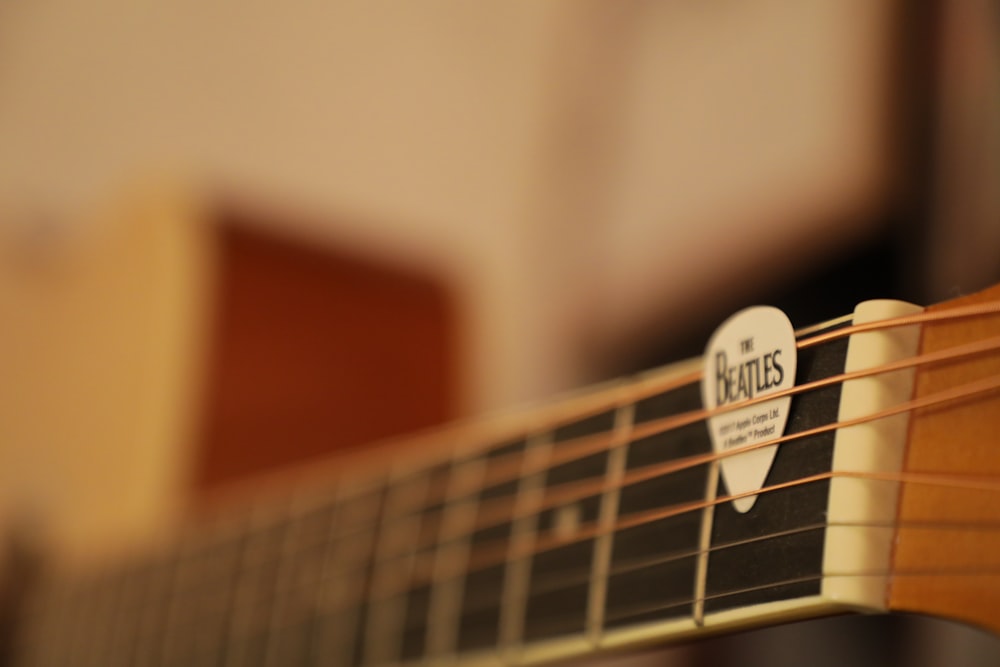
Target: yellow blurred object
[(100, 342)]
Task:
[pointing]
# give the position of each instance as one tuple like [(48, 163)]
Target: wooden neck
[(947, 556), (600, 522)]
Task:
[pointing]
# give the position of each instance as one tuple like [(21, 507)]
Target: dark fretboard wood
[(794, 517), (593, 527), (483, 590), (559, 585), (653, 566)]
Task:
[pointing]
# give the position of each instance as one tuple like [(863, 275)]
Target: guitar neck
[(602, 521)]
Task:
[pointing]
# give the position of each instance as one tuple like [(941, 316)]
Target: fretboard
[(600, 522)]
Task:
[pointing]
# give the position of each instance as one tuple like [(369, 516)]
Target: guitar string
[(983, 309), (574, 578), (959, 312), (498, 552), (575, 491), (487, 559), (509, 467), (685, 602), (500, 510), (572, 450), (991, 484), (594, 443), (925, 479)]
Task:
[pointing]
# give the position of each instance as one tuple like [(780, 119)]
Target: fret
[(341, 604), (300, 570), (256, 579), (278, 590), (653, 566), (131, 588), (479, 627), (51, 616), (99, 612), (299, 604), (42, 620), (617, 455), (295, 605), (559, 586), (155, 579), (395, 556), (517, 575), (81, 609), (764, 564), (74, 620), (201, 586), (410, 555), (102, 620), (426, 563), (451, 557), (416, 602), (705, 541)]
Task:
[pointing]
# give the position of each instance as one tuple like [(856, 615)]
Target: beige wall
[(577, 166)]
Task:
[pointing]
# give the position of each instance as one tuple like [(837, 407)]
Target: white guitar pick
[(751, 354)]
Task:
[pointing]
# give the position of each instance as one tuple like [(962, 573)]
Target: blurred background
[(219, 221)]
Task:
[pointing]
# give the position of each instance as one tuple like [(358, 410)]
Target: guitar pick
[(752, 354)]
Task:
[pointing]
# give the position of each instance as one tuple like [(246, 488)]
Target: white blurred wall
[(579, 168)]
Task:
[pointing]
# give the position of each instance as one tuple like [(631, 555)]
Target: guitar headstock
[(946, 560)]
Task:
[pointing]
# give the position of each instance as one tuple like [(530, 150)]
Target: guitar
[(600, 522)]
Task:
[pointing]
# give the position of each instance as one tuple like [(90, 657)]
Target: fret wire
[(295, 605), (577, 577), (705, 542), (74, 623), (663, 425), (488, 558), (617, 457), (928, 480), (187, 593), (523, 533), (108, 600), (68, 626), (173, 602), (911, 408), (85, 650), (386, 613), (667, 424), (957, 393), (888, 572), (283, 576), (148, 622), (600, 442), (39, 621), (642, 518), (446, 589), (137, 583), (244, 601), (640, 610), (343, 594), (318, 598)]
